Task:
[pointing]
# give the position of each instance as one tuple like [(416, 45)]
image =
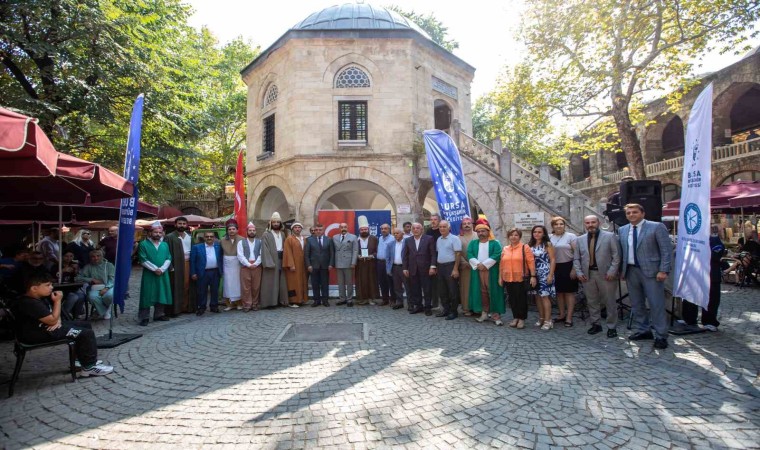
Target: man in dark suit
[(206, 268), (647, 261), (419, 266), (318, 254)]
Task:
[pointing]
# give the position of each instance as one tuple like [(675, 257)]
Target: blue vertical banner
[(448, 178), (128, 212)]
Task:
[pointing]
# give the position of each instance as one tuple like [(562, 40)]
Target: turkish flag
[(241, 213)]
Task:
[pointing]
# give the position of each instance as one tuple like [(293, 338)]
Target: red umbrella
[(31, 170), (44, 212), (719, 197), (747, 200)]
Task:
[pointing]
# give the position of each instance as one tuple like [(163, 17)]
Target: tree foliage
[(432, 26), (601, 57), (78, 65), (518, 111)]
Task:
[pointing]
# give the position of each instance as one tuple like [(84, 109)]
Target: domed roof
[(357, 16)]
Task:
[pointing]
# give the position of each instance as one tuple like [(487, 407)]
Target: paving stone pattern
[(224, 381)]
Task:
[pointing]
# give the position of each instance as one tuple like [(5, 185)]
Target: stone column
[(456, 128), (576, 212), (543, 172), (505, 160)]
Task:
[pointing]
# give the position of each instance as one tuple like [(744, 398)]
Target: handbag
[(526, 273)]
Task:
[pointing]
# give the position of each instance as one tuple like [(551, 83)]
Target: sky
[(486, 30)]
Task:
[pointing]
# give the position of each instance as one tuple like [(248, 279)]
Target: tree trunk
[(629, 142)]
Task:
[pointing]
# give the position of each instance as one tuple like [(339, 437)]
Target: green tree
[(600, 57), (432, 26), (518, 111)]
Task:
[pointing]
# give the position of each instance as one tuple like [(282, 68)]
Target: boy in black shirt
[(38, 322)]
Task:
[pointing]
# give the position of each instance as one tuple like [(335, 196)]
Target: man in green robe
[(486, 296), (155, 288)]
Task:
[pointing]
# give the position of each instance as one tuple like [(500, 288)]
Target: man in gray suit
[(345, 252), (318, 254), (597, 261), (647, 253)]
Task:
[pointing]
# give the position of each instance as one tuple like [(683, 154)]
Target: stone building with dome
[(335, 114)]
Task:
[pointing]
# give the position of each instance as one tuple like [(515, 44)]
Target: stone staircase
[(503, 184)]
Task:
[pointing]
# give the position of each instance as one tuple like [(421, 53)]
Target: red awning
[(31, 170), (48, 212), (720, 197)]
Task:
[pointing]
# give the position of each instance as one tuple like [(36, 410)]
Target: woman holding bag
[(517, 272)]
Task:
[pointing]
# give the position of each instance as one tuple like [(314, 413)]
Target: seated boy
[(37, 323)]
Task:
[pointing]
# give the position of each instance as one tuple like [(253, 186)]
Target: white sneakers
[(293, 305), (97, 370), (712, 328), (107, 315)]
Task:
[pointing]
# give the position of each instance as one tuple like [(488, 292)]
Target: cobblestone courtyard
[(416, 382)]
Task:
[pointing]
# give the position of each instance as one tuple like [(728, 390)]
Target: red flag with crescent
[(241, 213)]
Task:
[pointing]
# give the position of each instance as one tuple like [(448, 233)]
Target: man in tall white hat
[(293, 264), (274, 289), (366, 273), (155, 288), (231, 283)]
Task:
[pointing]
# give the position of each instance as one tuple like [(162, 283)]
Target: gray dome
[(357, 16)]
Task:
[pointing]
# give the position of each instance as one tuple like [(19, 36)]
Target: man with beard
[(318, 254), (294, 266), (155, 289), (407, 229), (383, 280), (249, 255), (231, 266), (274, 288), (205, 270), (180, 244), (345, 251), (467, 235), (366, 279)]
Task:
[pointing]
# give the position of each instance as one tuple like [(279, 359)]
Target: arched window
[(352, 77), (747, 175), (271, 95)]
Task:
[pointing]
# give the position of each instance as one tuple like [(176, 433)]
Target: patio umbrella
[(720, 197), (746, 200), (31, 170), (49, 212)]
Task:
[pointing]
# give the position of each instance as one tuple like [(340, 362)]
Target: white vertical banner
[(692, 271)]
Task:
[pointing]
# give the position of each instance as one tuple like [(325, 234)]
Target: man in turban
[(231, 266), (274, 289), (293, 264), (155, 288), (366, 278)]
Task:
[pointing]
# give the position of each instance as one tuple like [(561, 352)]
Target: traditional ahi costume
[(155, 290), (489, 258), (231, 281), (294, 266), (179, 276), (274, 288)]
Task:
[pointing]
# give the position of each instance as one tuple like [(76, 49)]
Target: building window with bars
[(352, 121), (268, 134)]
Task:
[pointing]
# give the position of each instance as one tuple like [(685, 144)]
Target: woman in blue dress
[(543, 250)]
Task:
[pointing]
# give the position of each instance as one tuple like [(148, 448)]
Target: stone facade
[(309, 162), (736, 112)]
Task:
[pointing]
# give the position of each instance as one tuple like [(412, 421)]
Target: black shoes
[(612, 333), (349, 304), (660, 343), (641, 336), (428, 312), (595, 328), (215, 310), (415, 310), (326, 303), (451, 317), (341, 302), (442, 314), (200, 312), (315, 304), (161, 319), (144, 323), (398, 306)]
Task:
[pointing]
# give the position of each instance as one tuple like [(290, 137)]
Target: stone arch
[(655, 134), (370, 68), (307, 208), (257, 198), (487, 204), (744, 174), (723, 104)]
